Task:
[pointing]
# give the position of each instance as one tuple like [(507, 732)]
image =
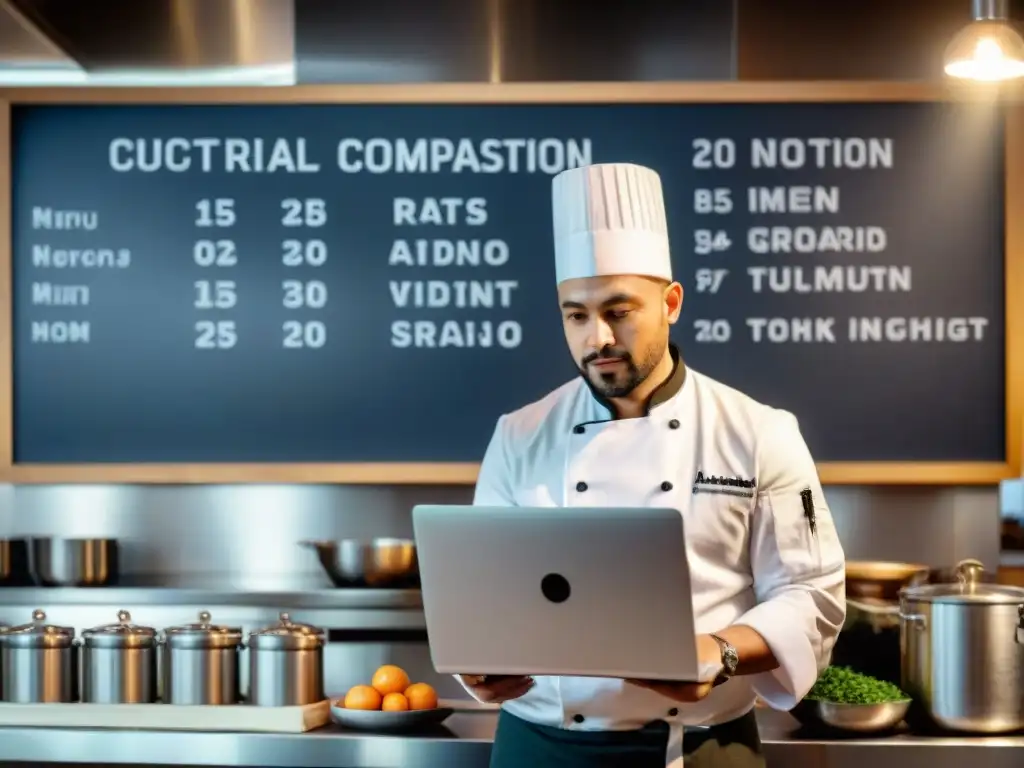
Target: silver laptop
[(600, 592)]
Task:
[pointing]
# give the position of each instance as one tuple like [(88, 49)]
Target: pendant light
[(988, 49)]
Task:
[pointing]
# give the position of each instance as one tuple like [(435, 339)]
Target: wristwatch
[(730, 660)]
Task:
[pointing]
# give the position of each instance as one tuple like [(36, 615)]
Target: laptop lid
[(579, 591)]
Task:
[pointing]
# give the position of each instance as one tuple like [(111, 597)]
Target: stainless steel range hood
[(281, 42), (147, 42)]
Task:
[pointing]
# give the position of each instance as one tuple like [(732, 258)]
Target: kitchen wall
[(246, 535)]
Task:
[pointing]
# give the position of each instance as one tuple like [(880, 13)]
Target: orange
[(362, 697), (395, 702), (390, 679), (421, 696)]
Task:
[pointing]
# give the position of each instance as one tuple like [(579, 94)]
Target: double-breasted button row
[(579, 429), (578, 718), (581, 486), (673, 712)]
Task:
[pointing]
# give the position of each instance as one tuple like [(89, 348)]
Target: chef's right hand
[(494, 689)]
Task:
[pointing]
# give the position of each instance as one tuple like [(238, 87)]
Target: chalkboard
[(375, 283)]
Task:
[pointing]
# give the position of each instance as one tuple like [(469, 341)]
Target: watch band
[(730, 659)]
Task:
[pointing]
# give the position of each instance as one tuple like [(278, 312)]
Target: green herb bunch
[(841, 685)]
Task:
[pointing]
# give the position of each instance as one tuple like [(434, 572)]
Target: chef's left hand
[(709, 656)]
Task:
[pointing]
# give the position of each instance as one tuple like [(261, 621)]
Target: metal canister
[(119, 663), (200, 663), (39, 663), (286, 664), (3, 628)]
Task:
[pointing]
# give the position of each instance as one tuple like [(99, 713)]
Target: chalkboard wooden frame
[(836, 473)]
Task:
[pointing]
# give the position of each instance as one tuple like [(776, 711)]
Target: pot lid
[(968, 588), (203, 634), (287, 635), (123, 634), (38, 634), (976, 594)]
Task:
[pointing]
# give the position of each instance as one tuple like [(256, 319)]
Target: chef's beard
[(621, 382)]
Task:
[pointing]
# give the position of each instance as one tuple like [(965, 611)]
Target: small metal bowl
[(858, 718), (375, 563), (59, 562)]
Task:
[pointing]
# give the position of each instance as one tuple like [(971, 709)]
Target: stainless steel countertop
[(463, 742)]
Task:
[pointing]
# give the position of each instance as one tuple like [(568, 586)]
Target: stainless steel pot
[(57, 562), (119, 663), (200, 663), (374, 563), (286, 664), (39, 663), (962, 654)]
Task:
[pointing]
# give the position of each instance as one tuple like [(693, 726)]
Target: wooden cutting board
[(240, 718)]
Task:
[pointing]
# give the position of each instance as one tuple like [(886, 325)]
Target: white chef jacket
[(752, 555)]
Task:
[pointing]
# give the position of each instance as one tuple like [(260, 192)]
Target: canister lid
[(287, 635), (203, 635), (123, 634), (38, 634)]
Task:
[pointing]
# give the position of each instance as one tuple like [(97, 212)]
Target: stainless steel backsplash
[(245, 535)]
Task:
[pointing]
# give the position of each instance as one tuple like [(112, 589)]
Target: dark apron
[(521, 744)]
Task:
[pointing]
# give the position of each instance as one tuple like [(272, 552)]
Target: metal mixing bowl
[(58, 562), (859, 718), (373, 563)]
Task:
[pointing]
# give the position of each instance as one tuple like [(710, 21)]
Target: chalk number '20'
[(714, 153), (712, 331)]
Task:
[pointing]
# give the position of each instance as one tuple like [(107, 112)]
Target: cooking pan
[(373, 563), (883, 580)]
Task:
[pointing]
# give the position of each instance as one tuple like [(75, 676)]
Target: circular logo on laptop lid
[(555, 588)]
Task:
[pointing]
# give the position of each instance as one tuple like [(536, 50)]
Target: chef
[(639, 427)]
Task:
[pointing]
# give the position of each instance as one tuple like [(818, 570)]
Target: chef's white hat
[(609, 219)]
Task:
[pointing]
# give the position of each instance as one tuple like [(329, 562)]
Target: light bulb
[(986, 51)]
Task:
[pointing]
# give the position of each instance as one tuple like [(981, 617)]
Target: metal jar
[(200, 663), (39, 663), (286, 664), (119, 663), (3, 628), (962, 654)]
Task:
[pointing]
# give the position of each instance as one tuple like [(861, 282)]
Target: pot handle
[(1020, 625), (916, 619)]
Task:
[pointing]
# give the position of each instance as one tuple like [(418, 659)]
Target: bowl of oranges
[(391, 702)]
